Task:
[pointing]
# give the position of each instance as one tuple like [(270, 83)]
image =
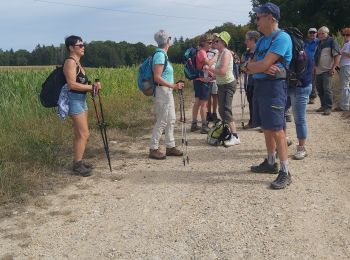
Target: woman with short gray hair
[(162, 37), (163, 75)]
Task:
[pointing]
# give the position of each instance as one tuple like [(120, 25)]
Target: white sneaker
[(300, 153), (232, 141)]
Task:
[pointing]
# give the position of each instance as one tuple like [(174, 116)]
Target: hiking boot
[(88, 165), (156, 154), (205, 129), (80, 169), (327, 112), (321, 109), (265, 167), (173, 152), (209, 117), (283, 180), (300, 154), (194, 127), (311, 101)]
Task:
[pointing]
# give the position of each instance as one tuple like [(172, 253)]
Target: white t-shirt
[(211, 53), (345, 61)]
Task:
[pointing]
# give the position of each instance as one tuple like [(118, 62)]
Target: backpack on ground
[(190, 69), (218, 134), (145, 78), (51, 88), (298, 64)]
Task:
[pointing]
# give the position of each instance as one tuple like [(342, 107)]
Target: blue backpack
[(189, 60), (145, 79)]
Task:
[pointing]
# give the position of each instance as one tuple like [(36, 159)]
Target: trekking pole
[(242, 98), (101, 123), (184, 141)]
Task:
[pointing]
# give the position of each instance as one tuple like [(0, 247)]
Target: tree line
[(112, 54)]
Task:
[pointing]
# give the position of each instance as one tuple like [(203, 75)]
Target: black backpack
[(51, 88), (298, 64)]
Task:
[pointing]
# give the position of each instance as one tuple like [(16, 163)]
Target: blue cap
[(268, 8)]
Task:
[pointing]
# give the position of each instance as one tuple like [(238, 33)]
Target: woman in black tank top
[(78, 85)]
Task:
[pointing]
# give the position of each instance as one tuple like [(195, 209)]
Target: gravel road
[(214, 208)]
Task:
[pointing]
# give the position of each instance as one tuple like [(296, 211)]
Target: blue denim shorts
[(77, 103), (269, 101), (201, 90)]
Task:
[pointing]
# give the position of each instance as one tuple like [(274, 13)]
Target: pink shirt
[(201, 56)]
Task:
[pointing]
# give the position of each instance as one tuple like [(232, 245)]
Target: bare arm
[(69, 70), (263, 65), (210, 62), (336, 61)]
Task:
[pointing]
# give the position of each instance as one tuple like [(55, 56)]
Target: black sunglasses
[(312, 32), (257, 18), (80, 45), (346, 35)]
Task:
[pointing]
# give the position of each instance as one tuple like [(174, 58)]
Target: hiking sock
[(194, 122), (284, 166), (271, 158)]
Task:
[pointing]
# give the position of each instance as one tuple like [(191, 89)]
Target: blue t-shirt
[(159, 58), (282, 46), (310, 49)]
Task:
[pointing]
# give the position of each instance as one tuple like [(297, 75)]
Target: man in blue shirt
[(310, 48), (270, 91)]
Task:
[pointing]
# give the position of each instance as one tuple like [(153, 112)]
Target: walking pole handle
[(95, 89)]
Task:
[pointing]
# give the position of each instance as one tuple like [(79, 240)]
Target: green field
[(35, 142)]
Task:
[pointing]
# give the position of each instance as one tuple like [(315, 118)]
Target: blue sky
[(26, 23)]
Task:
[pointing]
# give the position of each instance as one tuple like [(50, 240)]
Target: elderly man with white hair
[(327, 57)]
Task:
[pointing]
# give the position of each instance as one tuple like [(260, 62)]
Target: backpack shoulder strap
[(271, 42), (78, 67)]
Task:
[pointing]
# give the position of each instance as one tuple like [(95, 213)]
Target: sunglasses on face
[(346, 35), (257, 18), (217, 41), (209, 42), (80, 45), (312, 32)]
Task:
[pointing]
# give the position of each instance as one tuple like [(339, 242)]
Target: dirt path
[(212, 209)]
